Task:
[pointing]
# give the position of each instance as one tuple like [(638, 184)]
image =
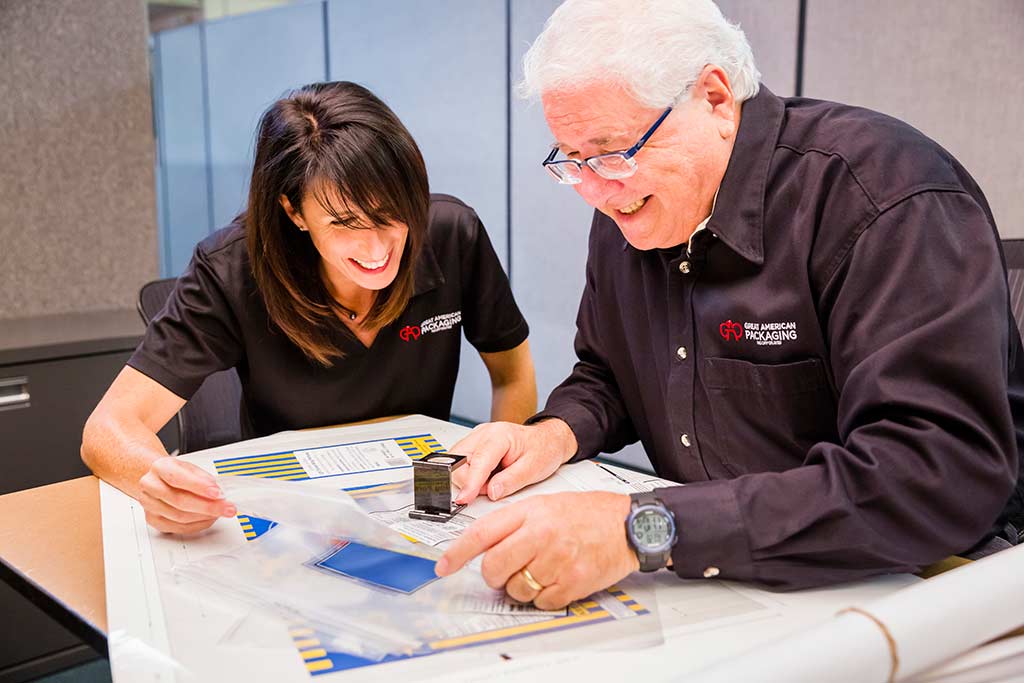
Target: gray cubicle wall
[(183, 174), (441, 66), (951, 69), (251, 60)]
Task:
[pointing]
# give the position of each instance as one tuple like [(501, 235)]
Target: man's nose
[(596, 190)]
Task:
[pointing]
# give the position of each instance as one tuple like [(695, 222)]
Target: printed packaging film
[(367, 589)]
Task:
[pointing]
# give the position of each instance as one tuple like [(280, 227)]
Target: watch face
[(650, 529)]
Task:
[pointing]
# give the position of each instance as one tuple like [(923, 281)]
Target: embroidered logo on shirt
[(730, 329), (761, 333), (437, 323), (409, 332)]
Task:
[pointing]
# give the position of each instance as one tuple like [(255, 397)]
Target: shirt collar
[(704, 223), (738, 217)]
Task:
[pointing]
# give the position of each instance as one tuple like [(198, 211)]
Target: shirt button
[(711, 572), (681, 352), (684, 267), (685, 440)]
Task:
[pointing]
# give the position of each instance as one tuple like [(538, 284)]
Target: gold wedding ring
[(530, 581)]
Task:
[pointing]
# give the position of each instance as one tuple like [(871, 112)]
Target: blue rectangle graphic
[(378, 567)]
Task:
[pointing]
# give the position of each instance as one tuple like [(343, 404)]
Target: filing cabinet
[(53, 371)]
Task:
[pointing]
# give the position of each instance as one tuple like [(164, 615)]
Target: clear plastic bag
[(319, 510), (332, 566)]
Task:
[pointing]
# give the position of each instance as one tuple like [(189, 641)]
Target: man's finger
[(479, 467), (467, 443), (521, 473), (503, 560), (480, 536), (553, 597), (465, 447)]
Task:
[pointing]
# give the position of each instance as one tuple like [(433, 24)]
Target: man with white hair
[(798, 307)]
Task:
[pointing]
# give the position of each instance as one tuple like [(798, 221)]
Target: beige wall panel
[(77, 204), (771, 29), (949, 68)]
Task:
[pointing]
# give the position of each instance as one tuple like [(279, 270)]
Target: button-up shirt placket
[(682, 278)]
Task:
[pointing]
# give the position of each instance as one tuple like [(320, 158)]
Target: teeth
[(633, 208), (372, 265)]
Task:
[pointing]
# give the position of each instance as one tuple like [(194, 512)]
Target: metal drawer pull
[(14, 393)]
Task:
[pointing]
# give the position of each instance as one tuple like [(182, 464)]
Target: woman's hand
[(524, 455), (180, 498)]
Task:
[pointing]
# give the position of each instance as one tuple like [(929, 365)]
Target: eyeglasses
[(612, 166)]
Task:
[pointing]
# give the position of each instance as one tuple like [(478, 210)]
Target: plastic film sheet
[(334, 563)]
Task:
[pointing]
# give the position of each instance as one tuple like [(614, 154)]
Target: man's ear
[(294, 215), (714, 88)]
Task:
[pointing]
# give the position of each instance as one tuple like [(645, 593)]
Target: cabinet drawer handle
[(14, 393)]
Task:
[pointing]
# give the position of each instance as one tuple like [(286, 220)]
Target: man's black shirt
[(826, 365)]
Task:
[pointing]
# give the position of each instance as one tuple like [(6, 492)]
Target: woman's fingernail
[(441, 567), (496, 491), (215, 492)]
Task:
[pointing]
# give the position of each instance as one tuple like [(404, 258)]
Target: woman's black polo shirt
[(215, 319)]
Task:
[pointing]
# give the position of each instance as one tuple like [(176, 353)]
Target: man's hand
[(524, 454), (572, 544), (180, 498)]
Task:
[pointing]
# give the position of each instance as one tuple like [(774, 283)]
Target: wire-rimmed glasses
[(611, 165)]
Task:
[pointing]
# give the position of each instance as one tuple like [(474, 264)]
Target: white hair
[(655, 48)]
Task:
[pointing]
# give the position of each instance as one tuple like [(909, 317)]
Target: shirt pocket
[(766, 417)]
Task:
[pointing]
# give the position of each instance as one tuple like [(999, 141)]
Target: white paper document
[(647, 621), (371, 456)]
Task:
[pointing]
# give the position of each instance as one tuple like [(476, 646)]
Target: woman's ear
[(294, 215)]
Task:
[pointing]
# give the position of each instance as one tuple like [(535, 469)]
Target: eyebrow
[(600, 142)]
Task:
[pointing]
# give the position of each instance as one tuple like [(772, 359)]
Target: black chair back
[(211, 417), (1013, 250)]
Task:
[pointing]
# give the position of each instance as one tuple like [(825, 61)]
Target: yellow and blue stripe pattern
[(271, 466), (318, 660), (419, 445), (313, 653), (626, 600)]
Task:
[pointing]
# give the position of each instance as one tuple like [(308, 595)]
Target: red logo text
[(409, 332), (730, 329)]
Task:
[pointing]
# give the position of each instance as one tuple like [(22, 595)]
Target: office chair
[(211, 417), (1013, 250)]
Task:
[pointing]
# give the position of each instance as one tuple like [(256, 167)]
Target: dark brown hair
[(323, 139)]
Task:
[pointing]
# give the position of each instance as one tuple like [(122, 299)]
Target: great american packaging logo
[(436, 323), (762, 333)]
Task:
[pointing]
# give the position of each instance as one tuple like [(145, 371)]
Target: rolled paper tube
[(895, 637)]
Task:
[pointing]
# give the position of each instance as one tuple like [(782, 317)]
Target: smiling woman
[(339, 294), (334, 162)]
